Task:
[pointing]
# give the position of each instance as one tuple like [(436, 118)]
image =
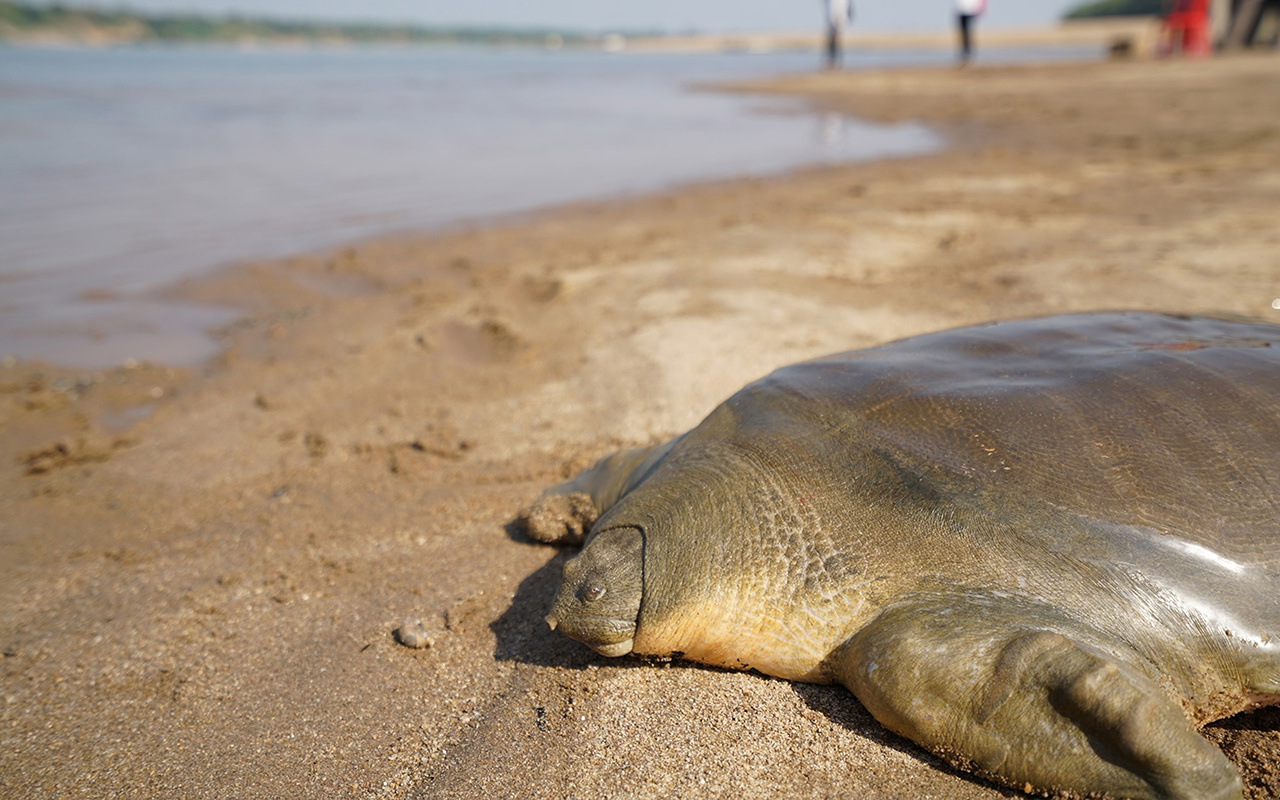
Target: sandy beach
[(202, 569)]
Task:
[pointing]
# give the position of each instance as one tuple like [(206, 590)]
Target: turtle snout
[(599, 599)]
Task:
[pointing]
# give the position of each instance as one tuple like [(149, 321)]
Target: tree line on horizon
[(27, 18)]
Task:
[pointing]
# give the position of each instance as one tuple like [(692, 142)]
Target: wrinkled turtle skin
[(1047, 550)]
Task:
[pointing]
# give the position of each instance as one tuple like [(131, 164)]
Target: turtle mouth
[(606, 635), (614, 650)]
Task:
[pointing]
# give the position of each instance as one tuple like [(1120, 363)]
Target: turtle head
[(600, 595)]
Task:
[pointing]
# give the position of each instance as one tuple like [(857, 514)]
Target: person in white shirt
[(966, 12), (839, 12)]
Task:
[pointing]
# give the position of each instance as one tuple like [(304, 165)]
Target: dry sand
[(200, 604)]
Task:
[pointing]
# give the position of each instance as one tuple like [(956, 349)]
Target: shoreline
[(191, 348), (205, 598), (84, 295)]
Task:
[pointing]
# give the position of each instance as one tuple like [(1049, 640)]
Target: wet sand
[(202, 570)]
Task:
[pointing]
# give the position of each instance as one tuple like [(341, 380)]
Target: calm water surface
[(127, 169)]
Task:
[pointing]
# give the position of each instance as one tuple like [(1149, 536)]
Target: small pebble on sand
[(412, 634)]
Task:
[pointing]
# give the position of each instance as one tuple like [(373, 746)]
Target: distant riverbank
[(62, 26), (1141, 32)]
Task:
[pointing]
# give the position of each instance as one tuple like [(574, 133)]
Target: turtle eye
[(590, 591)]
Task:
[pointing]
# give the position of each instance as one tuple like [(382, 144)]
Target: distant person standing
[(967, 11), (839, 12)]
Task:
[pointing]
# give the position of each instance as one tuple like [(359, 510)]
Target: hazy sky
[(710, 15)]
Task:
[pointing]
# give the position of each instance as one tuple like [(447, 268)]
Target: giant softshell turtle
[(1048, 550)]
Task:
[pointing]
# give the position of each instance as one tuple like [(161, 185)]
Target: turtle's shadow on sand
[(1262, 719), (838, 704)]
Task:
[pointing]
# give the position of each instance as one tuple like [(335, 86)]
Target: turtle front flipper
[(1031, 707), (565, 513)]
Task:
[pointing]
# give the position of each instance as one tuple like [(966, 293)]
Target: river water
[(122, 170)]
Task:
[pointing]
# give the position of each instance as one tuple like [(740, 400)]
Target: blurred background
[(139, 147), (665, 16)]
